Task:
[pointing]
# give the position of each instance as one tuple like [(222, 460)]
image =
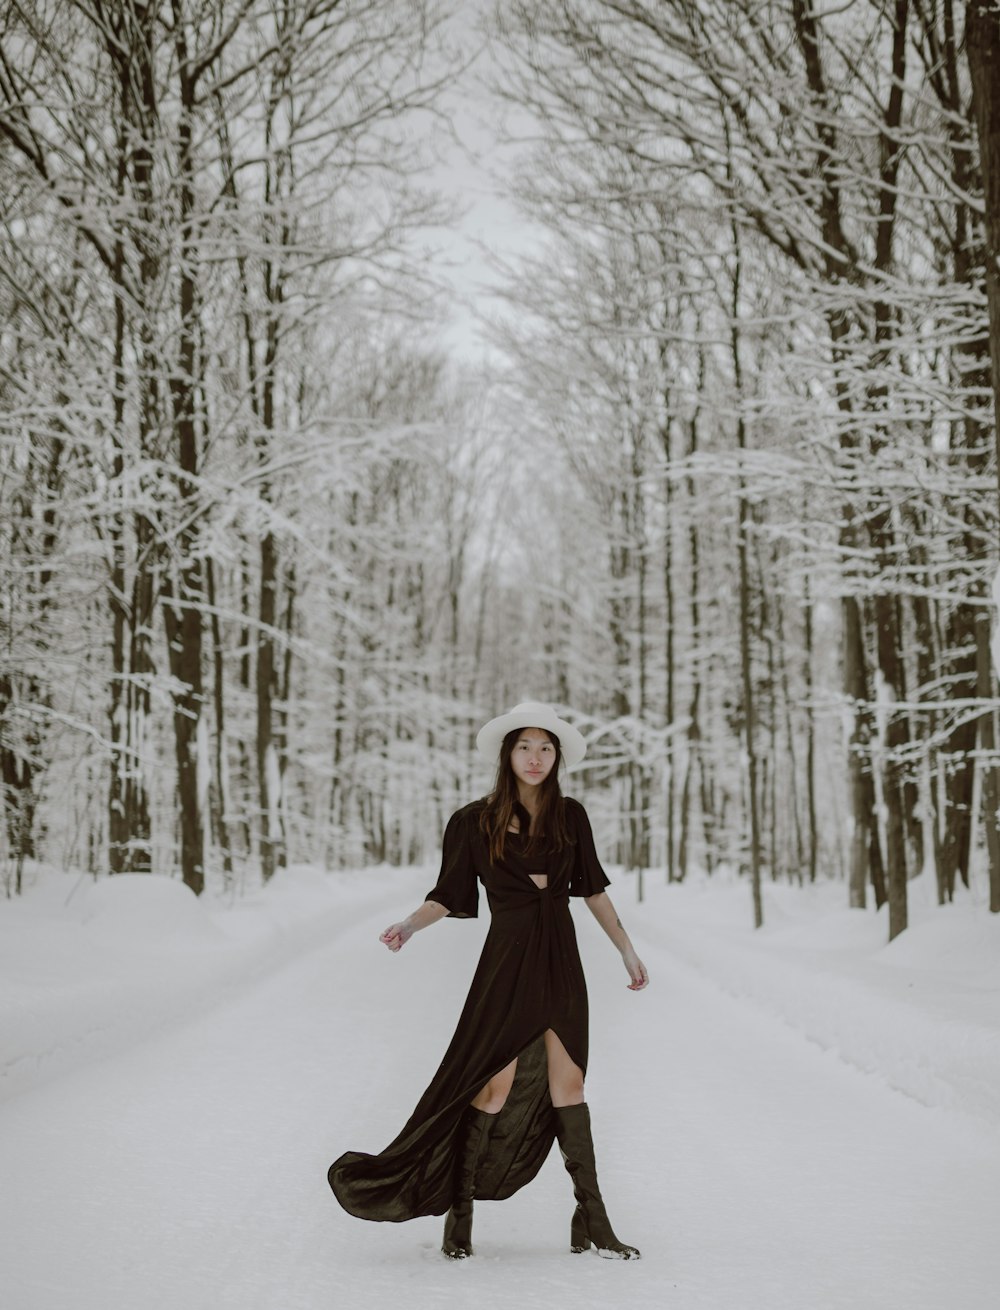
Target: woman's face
[(533, 757)]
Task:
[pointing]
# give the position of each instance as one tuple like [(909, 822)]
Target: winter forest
[(718, 471), (368, 367)]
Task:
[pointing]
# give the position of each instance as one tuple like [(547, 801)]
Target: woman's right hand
[(397, 936)]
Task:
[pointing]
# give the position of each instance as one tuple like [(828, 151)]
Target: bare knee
[(489, 1100), (566, 1089), (565, 1076), (492, 1098)]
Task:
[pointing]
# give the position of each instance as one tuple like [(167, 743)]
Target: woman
[(512, 1079)]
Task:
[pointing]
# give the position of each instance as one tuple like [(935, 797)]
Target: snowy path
[(752, 1168)]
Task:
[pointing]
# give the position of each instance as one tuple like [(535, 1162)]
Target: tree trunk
[(132, 667), (862, 809), (746, 669), (988, 746), (807, 681), (790, 753), (670, 758), (182, 610), (220, 758), (695, 757), (268, 776), (892, 790), (285, 697), (982, 45), (746, 626)]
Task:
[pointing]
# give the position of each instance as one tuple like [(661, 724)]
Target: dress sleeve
[(457, 889), (587, 878)]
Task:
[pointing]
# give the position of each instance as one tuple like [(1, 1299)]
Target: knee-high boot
[(474, 1134), (590, 1220)]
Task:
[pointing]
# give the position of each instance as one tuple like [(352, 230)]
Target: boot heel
[(579, 1237)]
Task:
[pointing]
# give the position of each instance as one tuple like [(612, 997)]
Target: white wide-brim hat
[(531, 714)]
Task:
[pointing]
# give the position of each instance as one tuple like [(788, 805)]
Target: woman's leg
[(565, 1077), (590, 1221), (492, 1097), (472, 1142)]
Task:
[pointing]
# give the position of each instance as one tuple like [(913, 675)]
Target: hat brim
[(531, 714)]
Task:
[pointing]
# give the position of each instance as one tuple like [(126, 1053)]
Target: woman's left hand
[(637, 971)]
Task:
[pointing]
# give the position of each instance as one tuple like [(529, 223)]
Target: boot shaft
[(473, 1137), (590, 1221)]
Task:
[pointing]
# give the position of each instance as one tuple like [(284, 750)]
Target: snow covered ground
[(801, 1117)]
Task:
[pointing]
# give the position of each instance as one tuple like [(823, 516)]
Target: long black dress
[(529, 978)]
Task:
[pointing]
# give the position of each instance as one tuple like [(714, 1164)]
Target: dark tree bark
[(972, 436), (982, 43), (695, 756), (131, 50), (670, 769), (807, 682), (220, 809), (184, 599), (745, 519)]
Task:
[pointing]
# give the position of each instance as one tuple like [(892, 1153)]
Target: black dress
[(529, 978)]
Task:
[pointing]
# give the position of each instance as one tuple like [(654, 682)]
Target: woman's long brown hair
[(548, 828)]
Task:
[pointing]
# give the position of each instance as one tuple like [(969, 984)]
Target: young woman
[(512, 1079)]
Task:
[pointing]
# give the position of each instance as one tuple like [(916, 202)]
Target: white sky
[(473, 173)]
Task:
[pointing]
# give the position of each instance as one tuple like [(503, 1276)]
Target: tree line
[(208, 219), (732, 493), (760, 331)]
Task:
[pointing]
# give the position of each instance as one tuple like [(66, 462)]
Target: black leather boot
[(476, 1128), (590, 1221)]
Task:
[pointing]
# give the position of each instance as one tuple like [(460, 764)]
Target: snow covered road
[(754, 1169)]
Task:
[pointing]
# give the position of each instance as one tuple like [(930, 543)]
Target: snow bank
[(148, 910), (89, 967), (921, 1013)]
